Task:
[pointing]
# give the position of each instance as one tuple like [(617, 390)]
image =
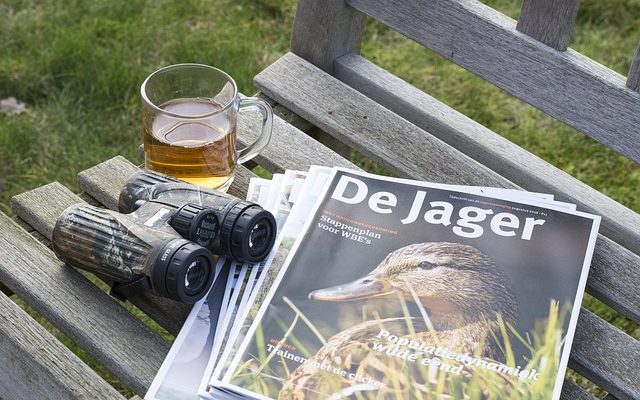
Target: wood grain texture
[(487, 147), (35, 365), (548, 21), (55, 198), (607, 356), (614, 277), (566, 85), (633, 79), (92, 319), (339, 110), (365, 125), (571, 391), (105, 181), (323, 30), (287, 115)]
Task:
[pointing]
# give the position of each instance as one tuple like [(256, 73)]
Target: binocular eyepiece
[(164, 237)]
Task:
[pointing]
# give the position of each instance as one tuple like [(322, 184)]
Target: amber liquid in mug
[(200, 151)]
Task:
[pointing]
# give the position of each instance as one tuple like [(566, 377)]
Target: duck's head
[(447, 278)]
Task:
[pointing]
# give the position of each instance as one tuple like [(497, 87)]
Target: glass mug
[(189, 115)]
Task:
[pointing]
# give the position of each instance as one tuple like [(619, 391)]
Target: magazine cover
[(285, 187), (400, 289), (184, 368), (279, 206), (300, 204)]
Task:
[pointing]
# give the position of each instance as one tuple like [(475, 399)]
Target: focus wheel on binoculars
[(196, 223)]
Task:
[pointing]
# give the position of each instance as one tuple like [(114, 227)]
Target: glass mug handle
[(255, 104)]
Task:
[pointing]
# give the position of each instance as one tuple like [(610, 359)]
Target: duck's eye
[(426, 265)]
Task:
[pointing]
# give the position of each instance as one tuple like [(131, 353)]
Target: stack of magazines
[(382, 288)]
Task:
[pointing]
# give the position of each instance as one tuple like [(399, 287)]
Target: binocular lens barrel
[(119, 249), (183, 271), (247, 233), (224, 224)]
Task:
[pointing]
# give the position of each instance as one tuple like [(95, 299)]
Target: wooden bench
[(324, 85)]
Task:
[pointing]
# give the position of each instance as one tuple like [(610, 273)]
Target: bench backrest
[(528, 58)]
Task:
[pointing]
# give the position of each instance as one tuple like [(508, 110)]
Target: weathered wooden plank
[(633, 79), (485, 146), (41, 208), (323, 30), (287, 115), (548, 21), (53, 197), (566, 85), (112, 171), (35, 365), (92, 319), (289, 147), (614, 277), (571, 391), (364, 124), (606, 356)]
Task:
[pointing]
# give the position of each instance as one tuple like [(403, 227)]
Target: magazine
[(305, 198), (396, 288), (184, 367), (279, 200), (311, 190)]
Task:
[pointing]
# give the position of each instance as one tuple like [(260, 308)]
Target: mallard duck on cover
[(461, 289)]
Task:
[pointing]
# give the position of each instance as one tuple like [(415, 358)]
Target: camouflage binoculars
[(164, 237)]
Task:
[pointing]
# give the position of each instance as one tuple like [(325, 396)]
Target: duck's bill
[(363, 288)]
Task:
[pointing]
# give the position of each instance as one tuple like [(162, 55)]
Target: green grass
[(403, 379), (78, 65)]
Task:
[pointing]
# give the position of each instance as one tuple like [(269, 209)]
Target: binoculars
[(164, 237)]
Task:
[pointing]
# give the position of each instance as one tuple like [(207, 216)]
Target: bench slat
[(614, 277), (92, 319), (571, 391), (365, 125), (607, 356), (548, 21), (339, 110), (35, 362), (323, 30), (566, 85), (519, 166), (487, 147), (41, 208)]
